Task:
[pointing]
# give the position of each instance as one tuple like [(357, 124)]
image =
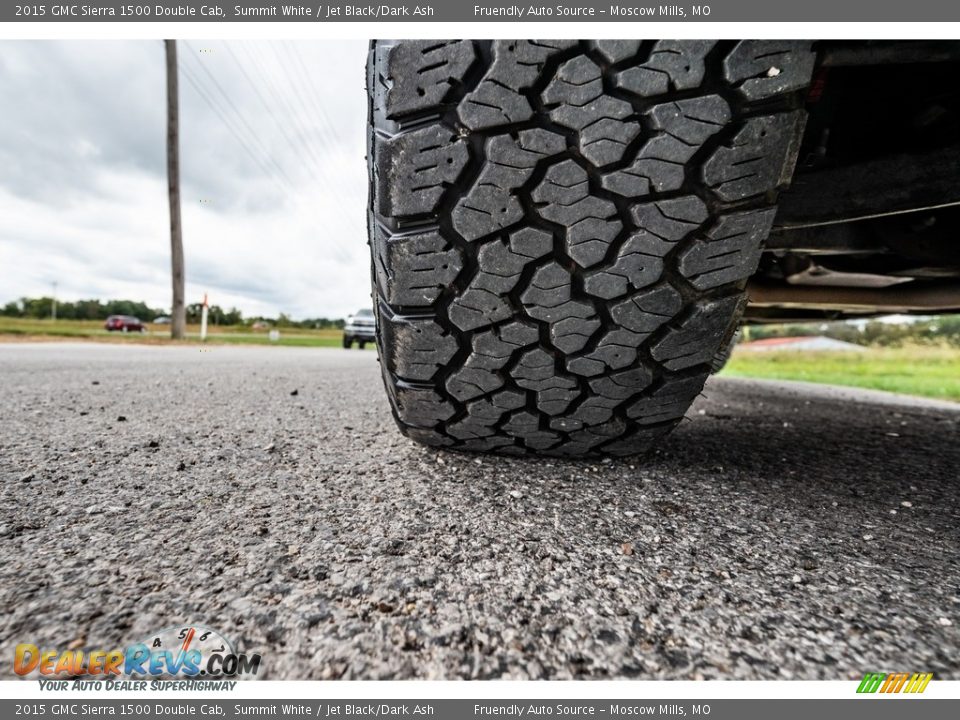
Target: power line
[(266, 105), (253, 133), (237, 130), (263, 70), (313, 95), (290, 112), (203, 95), (330, 139)]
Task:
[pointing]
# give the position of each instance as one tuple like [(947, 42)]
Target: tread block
[(682, 129), (572, 333), (616, 349), (576, 91), (426, 436), (762, 68), (639, 263), (516, 65), (484, 300), (667, 403), (477, 307), (471, 429), (496, 443), (412, 270), (415, 168), (554, 400), (536, 371), (697, 338), (492, 351), (607, 393), (484, 414), (471, 382), (759, 159), (730, 250), (416, 348), (591, 223), (592, 411), (615, 51), (672, 65), (548, 296), (526, 426), (670, 220), (585, 440), (645, 311), (577, 83), (491, 205), (417, 75), (419, 407)]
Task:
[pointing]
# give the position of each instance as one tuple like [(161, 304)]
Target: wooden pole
[(178, 318)]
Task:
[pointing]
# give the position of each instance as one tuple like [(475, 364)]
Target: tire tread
[(562, 231)]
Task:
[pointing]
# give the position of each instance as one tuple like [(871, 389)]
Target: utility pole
[(178, 319)]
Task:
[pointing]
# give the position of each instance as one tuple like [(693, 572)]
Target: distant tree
[(93, 309), (233, 317), (948, 328), (193, 311)]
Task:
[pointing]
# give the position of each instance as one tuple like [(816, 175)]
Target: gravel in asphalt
[(786, 531)]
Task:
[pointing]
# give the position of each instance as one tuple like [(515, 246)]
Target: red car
[(124, 323)]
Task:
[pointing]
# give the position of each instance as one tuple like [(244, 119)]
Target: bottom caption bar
[(875, 709)]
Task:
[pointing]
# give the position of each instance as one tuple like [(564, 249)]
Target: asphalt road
[(786, 531)]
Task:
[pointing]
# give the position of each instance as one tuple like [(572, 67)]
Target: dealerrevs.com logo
[(911, 683), (180, 652)]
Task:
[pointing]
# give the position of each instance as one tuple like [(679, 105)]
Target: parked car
[(162, 320), (361, 328), (566, 234), (124, 323)]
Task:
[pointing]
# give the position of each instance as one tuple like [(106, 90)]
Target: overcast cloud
[(272, 169)]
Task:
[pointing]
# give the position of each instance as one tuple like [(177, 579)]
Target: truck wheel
[(347, 342), (562, 231), (361, 344)]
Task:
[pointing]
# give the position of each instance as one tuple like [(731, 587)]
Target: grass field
[(928, 371), (27, 329)]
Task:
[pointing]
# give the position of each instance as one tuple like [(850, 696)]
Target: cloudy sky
[(272, 171)]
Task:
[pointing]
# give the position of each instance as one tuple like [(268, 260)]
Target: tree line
[(42, 307), (942, 330)]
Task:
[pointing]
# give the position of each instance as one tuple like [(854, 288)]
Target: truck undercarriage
[(870, 223)]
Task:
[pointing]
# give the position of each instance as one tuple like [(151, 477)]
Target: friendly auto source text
[(612, 710), (612, 11)]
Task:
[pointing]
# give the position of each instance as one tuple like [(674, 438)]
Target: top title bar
[(470, 11)]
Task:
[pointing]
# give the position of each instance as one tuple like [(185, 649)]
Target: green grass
[(927, 371), (27, 329)]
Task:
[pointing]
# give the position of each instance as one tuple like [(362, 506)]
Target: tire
[(361, 344), (722, 357), (562, 231), (347, 342)]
